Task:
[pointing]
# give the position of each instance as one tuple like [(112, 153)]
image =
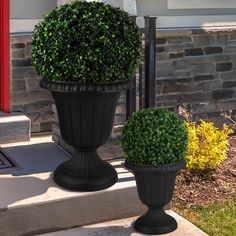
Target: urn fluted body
[(86, 115), (155, 185)]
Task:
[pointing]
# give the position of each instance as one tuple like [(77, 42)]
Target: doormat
[(7, 165)]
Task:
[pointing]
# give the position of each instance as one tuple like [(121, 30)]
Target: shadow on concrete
[(110, 230), (22, 188), (14, 189), (42, 158), (125, 179), (36, 158)]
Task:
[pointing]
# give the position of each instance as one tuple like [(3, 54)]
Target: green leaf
[(86, 42), (154, 136)]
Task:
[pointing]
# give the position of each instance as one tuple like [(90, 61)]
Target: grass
[(218, 219)]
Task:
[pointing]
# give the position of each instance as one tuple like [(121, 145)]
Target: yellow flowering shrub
[(207, 145)]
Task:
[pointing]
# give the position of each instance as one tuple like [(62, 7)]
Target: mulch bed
[(205, 188)]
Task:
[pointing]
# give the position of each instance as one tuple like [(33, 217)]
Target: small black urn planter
[(155, 185), (85, 114), (154, 142)]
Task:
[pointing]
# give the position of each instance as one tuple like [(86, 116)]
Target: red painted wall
[(4, 56)]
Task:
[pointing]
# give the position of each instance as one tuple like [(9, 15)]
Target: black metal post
[(131, 99), (150, 61), (131, 93), (140, 72)]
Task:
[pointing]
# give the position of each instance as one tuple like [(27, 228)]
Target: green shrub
[(154, 136), (86, 42), (207, 145)]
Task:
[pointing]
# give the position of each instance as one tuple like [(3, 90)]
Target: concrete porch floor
[(32, 204)]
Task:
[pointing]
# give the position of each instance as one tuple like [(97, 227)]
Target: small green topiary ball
[(89, 42), (154, 136)]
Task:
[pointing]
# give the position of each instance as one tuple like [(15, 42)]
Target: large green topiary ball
[(154, 136), (89, 42)]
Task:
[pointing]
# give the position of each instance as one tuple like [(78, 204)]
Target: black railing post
[(131, 99), (140, 73), (131, 93), (150, 61)]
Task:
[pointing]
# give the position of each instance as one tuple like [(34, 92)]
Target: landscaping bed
[(205, 188), (209, 199)]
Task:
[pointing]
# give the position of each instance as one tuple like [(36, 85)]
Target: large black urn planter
[(155, 185), (85, 113)]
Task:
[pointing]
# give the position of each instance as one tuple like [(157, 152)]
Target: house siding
[(160, 8), (27, 9)]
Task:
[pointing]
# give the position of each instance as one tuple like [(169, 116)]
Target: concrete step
[(31, 203), (14, 127), (124, 227)]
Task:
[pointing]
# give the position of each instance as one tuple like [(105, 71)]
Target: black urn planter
[(86, 114), (155, 185)]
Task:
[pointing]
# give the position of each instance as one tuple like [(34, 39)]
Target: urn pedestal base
[(155, 221), (85, 171)]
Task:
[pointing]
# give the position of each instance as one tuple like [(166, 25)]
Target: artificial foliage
[(89, 42), (154, 136), (207, 145)]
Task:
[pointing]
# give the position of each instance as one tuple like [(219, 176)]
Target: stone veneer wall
[(26, 95), (197, 68), (194, 67)]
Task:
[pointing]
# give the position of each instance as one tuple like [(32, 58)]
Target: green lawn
[(218, 219)]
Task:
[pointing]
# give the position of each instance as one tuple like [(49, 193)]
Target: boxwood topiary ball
[(89, 42), (154, 136)]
